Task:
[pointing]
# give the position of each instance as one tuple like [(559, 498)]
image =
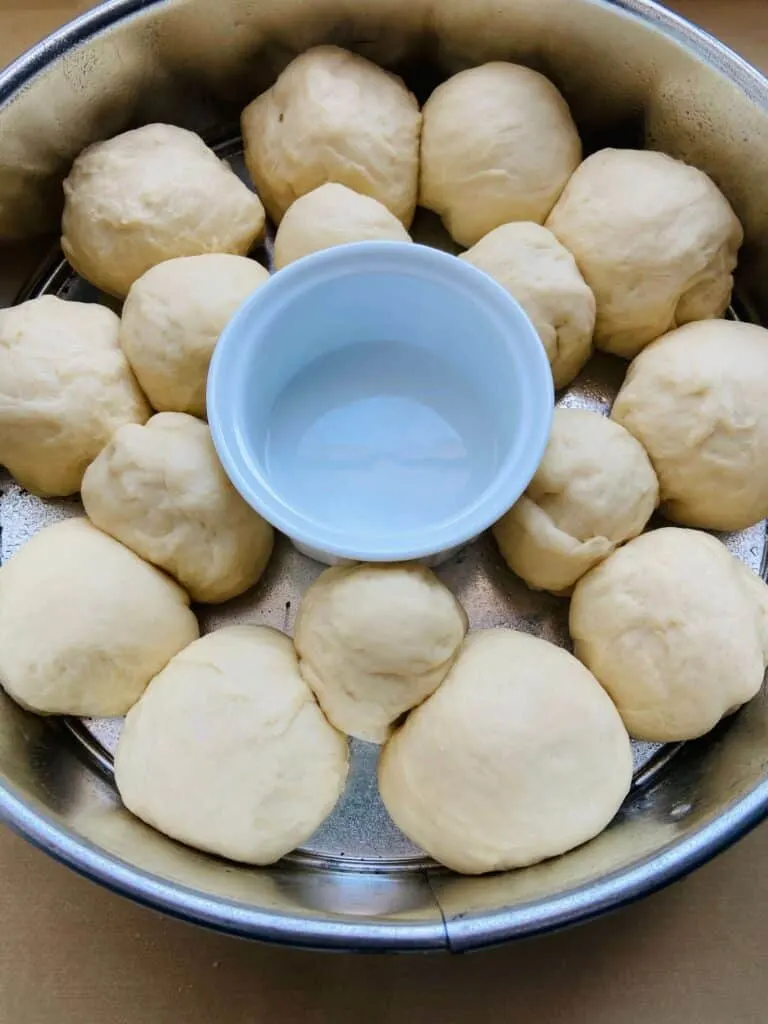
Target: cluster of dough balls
[(233, 742)]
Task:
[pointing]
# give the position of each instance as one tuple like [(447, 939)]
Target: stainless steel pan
[(634, 75)]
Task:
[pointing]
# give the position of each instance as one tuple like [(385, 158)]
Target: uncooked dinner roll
[(150, 194), (65, 386), (332, 215), (673, 631), (498, 144), (594, 489), (655, 239), (697, 400), (519, 756), (228, 751), (85, 623), (162, 492), (535, 269), (334, 116), (172, 319), (376, 640)]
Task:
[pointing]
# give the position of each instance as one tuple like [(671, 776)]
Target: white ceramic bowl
[(380, 401)]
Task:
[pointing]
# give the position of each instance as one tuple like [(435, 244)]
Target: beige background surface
[(73, 953)]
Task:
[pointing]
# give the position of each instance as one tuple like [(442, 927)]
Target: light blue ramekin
[(380, 401)]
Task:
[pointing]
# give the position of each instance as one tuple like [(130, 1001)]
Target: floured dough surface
[(696, 401), (85, 623), (674, 630), (375, 641), (227, 750), (160, 490), (65, 386), (333, 215), (149, 195), (655, 239), (519, 756), (498, 145), (334, 116), (594, 489), (542, 275), (172, 319)]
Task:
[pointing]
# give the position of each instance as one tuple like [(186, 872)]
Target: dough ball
[(84, 623), (172, 319), (332, 215), (594, 489), (517, 757), (535, 269), (65, 386), (228, 751), (655, 239), (148, 195), (673, 631), (697, 401), (498, 144), (334, 116), (161, 491), (375, 641)]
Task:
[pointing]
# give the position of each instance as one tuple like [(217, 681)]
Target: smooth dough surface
[(160, 490), (375, 641), (594, 489), (148, 195), (334, 116), (172, 319), (333, 215), (519, 756), (84, 623), (655, 239), (65, 386), (673, 631), (541, 274), (697, 400), (498, 144), (227, 750)]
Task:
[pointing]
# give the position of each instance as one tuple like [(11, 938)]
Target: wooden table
[(72, 953)]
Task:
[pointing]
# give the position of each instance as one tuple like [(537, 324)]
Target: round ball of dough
[(697, 401), (148, 195), (375, 641), (519, 756), (227, 751), (541, 274), (161, 491), (172, 319), (655, 239), (334, 116), (498, 144), (85, 624), (65, 386), (594, 489), (673, 631), (333, 215)]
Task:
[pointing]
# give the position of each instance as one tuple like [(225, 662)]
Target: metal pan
[(358, 883)]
